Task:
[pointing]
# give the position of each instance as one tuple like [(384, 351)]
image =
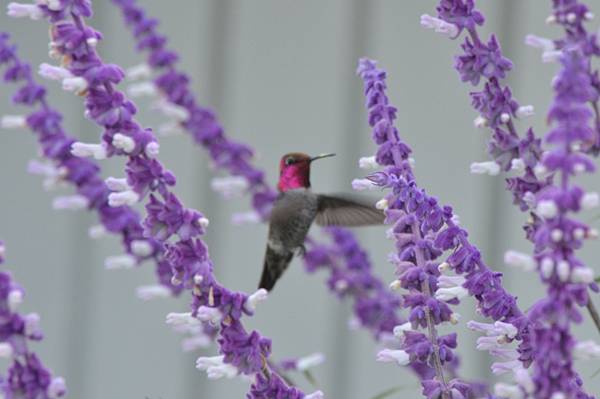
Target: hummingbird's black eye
[(289, 161)]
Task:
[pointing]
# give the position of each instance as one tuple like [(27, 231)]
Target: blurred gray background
[(280, 74)]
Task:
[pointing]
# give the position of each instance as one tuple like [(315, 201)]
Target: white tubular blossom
[(138, 72), (208, 314), (32, 324), (73, 202), (489, 167), (195, 342), (125, 261), (57, 388), (447, 294), (181, 319), (590, 200), (549, 57), (547, 209), (583, 275), (401, 328), (563, 270), (141, 248), (315, 395), (170, 129), (229, 187), (451, 281), (123, 142), (439, 26), (390, 355), (149, 292), (497, 329), (310, 361), (499, 368), (586, 350), (13, 122), (249, 217), (523, 378), (18, 10), (382, 204), (141, 89), (519, 260), (525, 111), (480, 122), (539, 42), (6, 350), (367, 163), (98, 151), (363, 184), (172, 111), (117, 184), (53, 72), (15, 298), (508, 391), (253, 300), (216, 368), (75, 84), (517, 165), (152, 149), (547, 267), (97, 231), (505, 117), (128, 197)]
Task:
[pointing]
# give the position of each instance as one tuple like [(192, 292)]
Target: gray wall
[(280, 73)]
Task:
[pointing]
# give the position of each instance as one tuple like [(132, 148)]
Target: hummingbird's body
[(297, 207)]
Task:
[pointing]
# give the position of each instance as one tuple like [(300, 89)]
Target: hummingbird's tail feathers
[(274, 266)]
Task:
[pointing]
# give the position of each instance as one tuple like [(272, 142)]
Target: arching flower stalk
[(174, 227), (424, 231), (481, 61)]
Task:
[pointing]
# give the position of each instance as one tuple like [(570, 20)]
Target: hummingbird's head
[(294, 170)]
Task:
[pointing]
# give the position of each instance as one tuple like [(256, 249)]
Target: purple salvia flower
[(567, 278), (84, 174), (410, 210), (525, 155), (190, 267), (27, 377), (200, 122)]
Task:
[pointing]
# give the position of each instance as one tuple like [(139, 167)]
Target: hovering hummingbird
[(297, 207)]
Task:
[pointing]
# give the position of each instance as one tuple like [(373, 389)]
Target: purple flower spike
[(27, 377), (424, 231), (185, 256), (200, 122)]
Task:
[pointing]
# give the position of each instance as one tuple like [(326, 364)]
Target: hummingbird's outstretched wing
[(274, 265), (347, 210)]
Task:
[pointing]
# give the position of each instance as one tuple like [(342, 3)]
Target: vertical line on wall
[(355, 31)]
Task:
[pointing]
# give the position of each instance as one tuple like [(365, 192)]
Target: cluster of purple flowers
[(83, 174), (554, 235), (27, 377), (424, 231), (186, 256), (428, 239), (201, 123)]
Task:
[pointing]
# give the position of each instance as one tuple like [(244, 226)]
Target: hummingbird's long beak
[(322, 156)]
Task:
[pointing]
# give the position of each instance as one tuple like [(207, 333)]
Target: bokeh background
[(280, 74)]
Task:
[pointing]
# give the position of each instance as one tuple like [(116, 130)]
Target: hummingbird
[(295, 209)]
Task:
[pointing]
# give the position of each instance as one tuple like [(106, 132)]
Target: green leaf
[(597, 279), (389, 392)]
